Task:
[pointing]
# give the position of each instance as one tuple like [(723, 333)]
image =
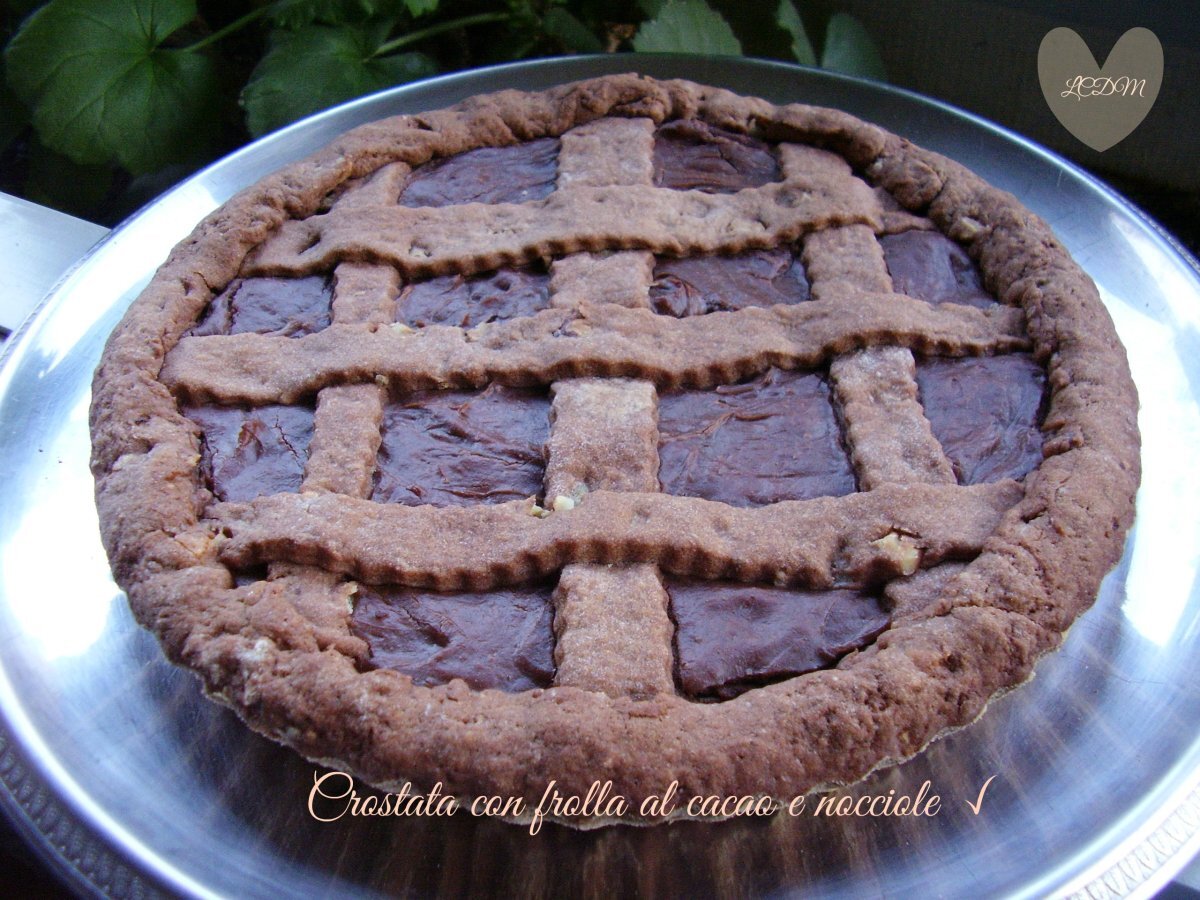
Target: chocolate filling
[(497, 639), (246, 453), (693, 155), (511, 174), (772, 438), (291, 307), (733, 637), (931, 267), (697, 285), (467, 302), (986, 412), (455, 448)]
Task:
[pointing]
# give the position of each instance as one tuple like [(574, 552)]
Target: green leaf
[(524, 19), (102, 89), (320, 66), (420, 7), (570, 32), (687, 26), (849, 49), (652, 7), (789, 20), (295, 14)]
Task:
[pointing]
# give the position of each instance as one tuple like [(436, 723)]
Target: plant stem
[(414, 36), (233, 26)]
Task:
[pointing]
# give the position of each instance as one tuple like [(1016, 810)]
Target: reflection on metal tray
[(138, 783)]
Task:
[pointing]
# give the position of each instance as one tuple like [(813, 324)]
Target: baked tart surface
[(631, 431)]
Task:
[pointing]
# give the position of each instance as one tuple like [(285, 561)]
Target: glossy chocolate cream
[(692, 155), (513, 174), (986, 412), (496, 639), (733, 637), (452, 448), (772, 438), (931, 267), (696, 285), (467, 302), (292, 307), (246, 453)]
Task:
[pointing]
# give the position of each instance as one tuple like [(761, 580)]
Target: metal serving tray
[(132, 783)]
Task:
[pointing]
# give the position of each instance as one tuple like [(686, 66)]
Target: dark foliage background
[(106, 103)]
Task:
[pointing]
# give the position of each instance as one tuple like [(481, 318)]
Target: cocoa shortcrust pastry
[(629, 431)]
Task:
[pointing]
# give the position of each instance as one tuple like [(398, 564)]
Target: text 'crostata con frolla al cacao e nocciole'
[(630, 431)]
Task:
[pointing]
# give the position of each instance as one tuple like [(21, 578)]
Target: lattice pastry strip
[(598, 339), (895, 218), (346, 425), (620, 278), (364, 293), (345, 440), (612, 626), (613, 632), (890, 439), (842, 262), (607, 152), (809, 543), (381, 188), (616, 416), (572, 219)]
